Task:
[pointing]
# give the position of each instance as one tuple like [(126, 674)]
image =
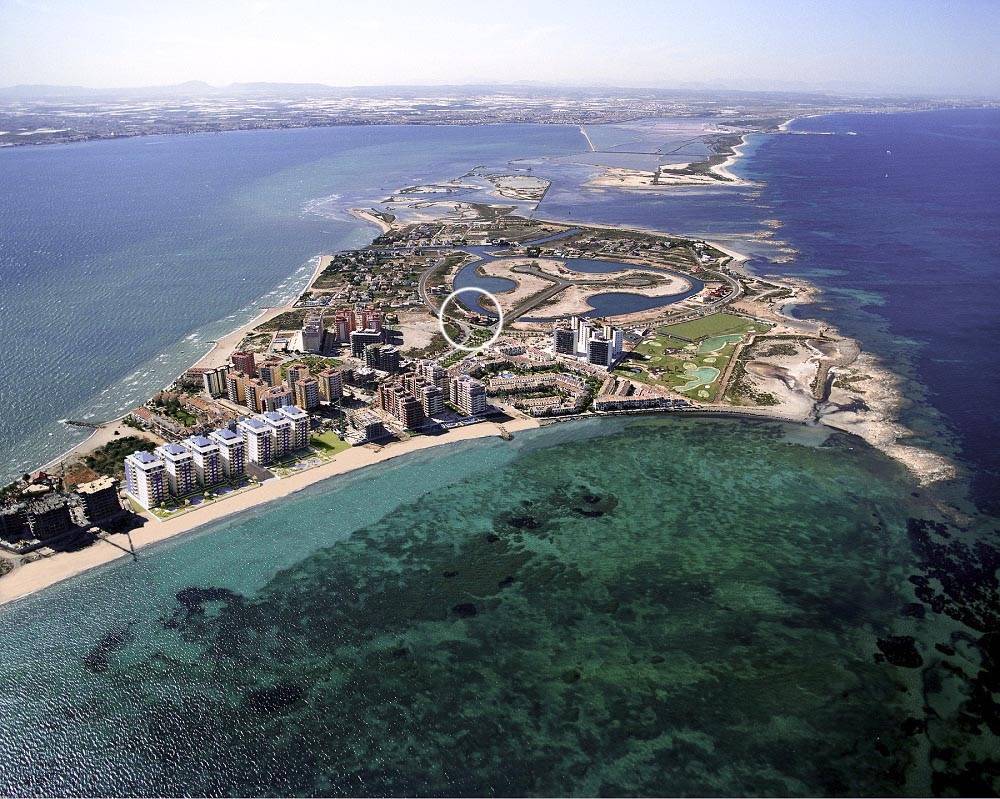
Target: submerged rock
[(465, 610), (194, 598), (274, 698), (901, 650), (98, 659)]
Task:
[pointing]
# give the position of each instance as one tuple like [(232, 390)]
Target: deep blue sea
[(668, 606), (896, 218)]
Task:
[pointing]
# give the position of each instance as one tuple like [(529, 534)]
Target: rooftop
[(254, 423), (96, 486), (292, 412)]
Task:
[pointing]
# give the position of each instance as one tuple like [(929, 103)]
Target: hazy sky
[(951, 47)]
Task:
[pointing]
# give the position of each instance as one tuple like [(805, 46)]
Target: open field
[(690, 357), (717, 324), (328, 443)]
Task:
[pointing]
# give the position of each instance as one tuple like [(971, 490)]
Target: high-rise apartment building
[(307, 393), (331, 385), (146, 479), (300, 425), (469, 395), (232, 453), (207, 460), (282, 432), (258, 441), (243, 361), (179, 463), (432, 400), (215, 381), (361, 339)]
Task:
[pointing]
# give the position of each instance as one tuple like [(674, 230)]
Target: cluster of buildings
[(40, 519), (618, 394), (552, 393), (421, 394), (179, 469), (272, 384), (600, 345)]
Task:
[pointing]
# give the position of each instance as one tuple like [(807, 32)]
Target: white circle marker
[(452, 297)]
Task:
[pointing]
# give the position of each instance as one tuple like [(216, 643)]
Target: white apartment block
[(207, 460), (469, 395), (300, 425), (432, 400), (179, 462), (282, 432), (146, 479), (232, 453), (258, 441)]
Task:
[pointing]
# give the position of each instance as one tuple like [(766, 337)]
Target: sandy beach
[(367, 216), (42, 573), (218, 355), (723, 169)]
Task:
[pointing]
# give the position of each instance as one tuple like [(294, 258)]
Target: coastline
[(216, 355), (722, 170), (37, 575), (879, 427), (366, 215)]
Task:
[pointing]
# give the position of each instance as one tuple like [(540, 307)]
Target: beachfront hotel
[(207, 460), (600, 346), (179, 463), (232, 452), (146, 479), (469, 395)]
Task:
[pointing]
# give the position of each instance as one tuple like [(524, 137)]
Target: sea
[(640, 606)]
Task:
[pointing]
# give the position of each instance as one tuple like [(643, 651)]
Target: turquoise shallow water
[(670, 606)]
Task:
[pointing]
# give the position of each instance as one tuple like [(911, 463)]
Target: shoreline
[(40, 574), (881, 429), (366, 215), (102, 432), (722, 170)]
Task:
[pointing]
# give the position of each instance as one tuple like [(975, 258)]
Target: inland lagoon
[(634, 606)]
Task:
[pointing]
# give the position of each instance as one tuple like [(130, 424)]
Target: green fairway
[(717, 324), (690, 357)]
